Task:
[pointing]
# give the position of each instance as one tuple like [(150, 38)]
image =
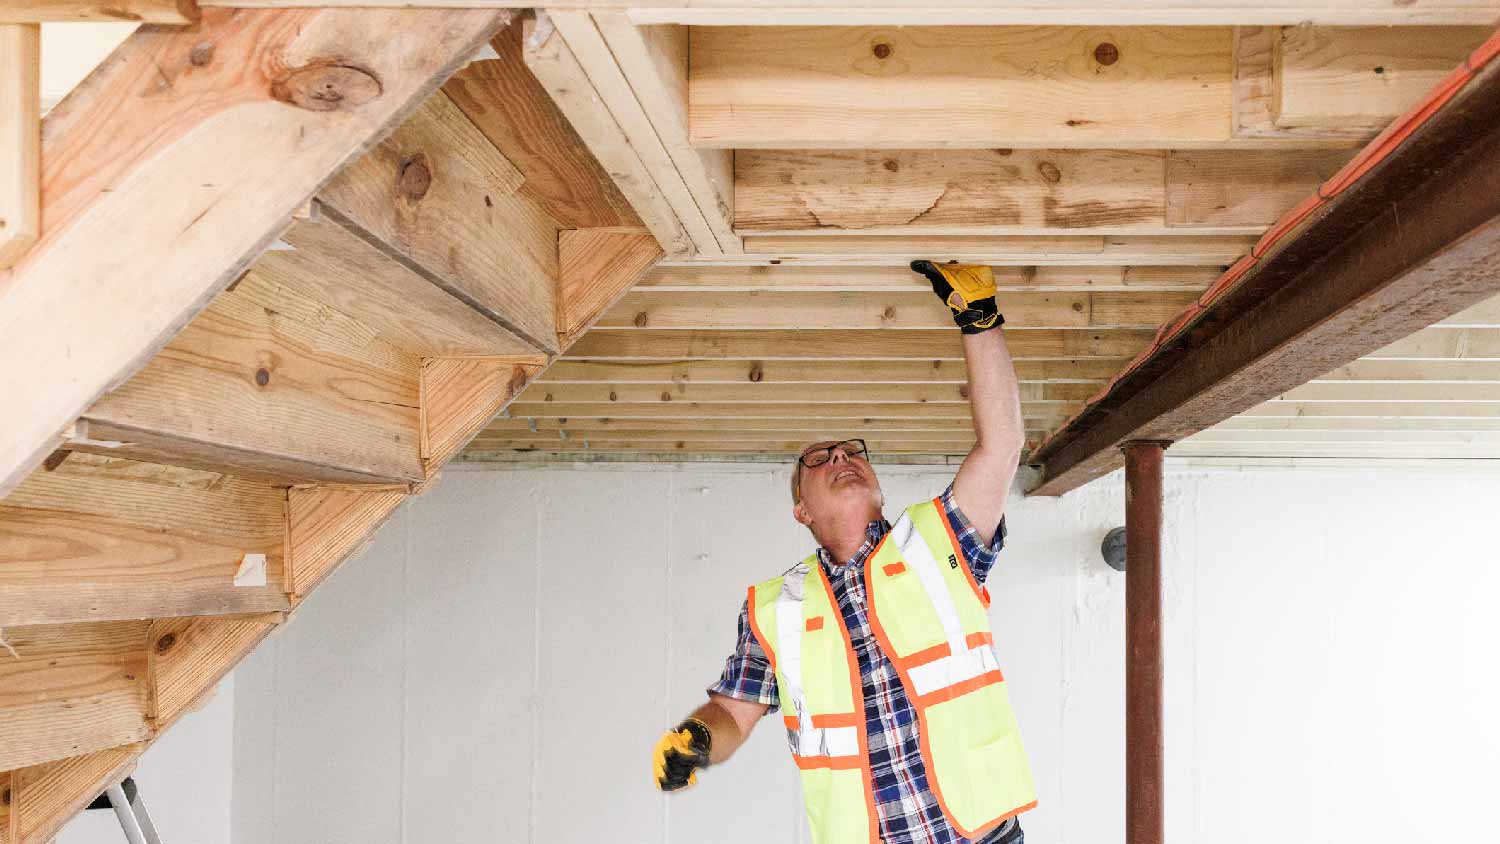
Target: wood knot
[(201, 55), (756, 373), (666, 396), (890, 164), (414, 178), (547, 397), (612, 396), (640, 320), (5, 797), (1106, 54), (262, 376), (166, 643), (1050, 174), (326, 86), (963, 391), (889, 312), (881, 50), (1078, 306)]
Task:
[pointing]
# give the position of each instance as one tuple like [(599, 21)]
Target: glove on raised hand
[(968, 290), (681, 751)]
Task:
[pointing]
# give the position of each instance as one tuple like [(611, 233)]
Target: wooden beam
[(46, 796), (270, 385), (764, 311), (975, 87), (772, 13), (106, 539), (1338, 287), (1040, 411), (71, 689), (187, 657), (597, 267), (1362, 77), (457, 216), (568, 371), (552, 62), (1000, 250), (915, 344), (116, 11), (459, 395), (1255, 90), (1249, 187), (20, 138), (769, 393), (1441, 343), (507, 103), (1298, 424), (329, 522), (134, 187), (711, 444), (709, 277), (612, 428)]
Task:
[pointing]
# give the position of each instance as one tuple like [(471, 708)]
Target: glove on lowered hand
[(968, 290), (680, 753)]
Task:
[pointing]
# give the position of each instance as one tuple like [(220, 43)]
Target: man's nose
[(836, 456)]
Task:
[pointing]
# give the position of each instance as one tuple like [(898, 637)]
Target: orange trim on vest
[(823, 722), (858, 690), (973, 684), (974, 640), (812, 624), (759, 636), (958, 548), (893, 569), (836, 763)]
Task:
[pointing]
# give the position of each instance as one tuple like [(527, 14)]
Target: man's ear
[(799, 512)]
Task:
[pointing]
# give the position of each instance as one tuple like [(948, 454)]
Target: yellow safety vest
[(929, 617)]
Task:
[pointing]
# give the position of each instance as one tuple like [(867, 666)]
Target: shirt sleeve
[(747, 672), (980, 557)]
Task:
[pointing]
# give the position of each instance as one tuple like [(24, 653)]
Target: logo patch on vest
[(952, 561), (815, 623)]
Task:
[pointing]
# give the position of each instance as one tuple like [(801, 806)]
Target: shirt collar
[(874, 532)]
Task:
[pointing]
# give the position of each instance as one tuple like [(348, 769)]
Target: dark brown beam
[(1413, 242), (1144, 815)]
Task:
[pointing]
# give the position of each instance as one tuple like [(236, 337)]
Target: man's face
[(842, 487)]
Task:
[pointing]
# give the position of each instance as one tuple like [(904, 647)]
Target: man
[(877, 648)]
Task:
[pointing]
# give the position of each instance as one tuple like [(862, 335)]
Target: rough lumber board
[(1440, 343), (507, 103), (44, 797), (654, 60), (7, 831), (699, 278), (1250, 187), (977, 87), (557, 68), (442, 199), (1294, 423), (762, 311), (116, 11), (798, 393), (1060, 250), (1376, 410), (958, 444), (1456, 369), (1413, 242), (597, 267), (102, 538), (1045, 411), (635, 428), (1254, 113), (980, 191), (1362, 77), (188, 656), (20, 138), (71, 689), (459, 395), (569, 371), (331, 263), (268, 384), (916, 344), (708, 439), (326, 523), (135, 187), (1424, 393)]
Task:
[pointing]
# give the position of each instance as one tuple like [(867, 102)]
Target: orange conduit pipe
[(1372, 154)]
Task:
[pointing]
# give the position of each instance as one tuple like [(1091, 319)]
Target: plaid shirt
[(909, 812)]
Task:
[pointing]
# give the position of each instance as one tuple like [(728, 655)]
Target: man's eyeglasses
[(815, 457)]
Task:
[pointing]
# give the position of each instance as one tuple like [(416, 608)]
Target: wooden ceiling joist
[(583, 371), (1011, 279), (865, 250), (115, 11), (20, 138), (1413, 242), (913, 344)]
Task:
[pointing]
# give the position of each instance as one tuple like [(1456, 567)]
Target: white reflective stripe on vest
[(828, 741), (952, 670), (789, 627), (919, 558)]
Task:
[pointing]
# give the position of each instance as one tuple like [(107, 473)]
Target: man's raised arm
[(984, 479)]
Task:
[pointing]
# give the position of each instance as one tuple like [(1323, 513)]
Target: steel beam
[(1144, 815)]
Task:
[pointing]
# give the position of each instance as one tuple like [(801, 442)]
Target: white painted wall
[(498, 665)]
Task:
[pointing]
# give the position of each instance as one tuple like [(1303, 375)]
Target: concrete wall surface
[(498, 665)]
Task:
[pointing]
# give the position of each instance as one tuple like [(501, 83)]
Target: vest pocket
[(837, 811), (976, 752)]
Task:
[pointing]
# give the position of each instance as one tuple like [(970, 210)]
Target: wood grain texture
[(507, 103), (331, 263), (459, 395), (135, 188), (1255, 91), (701, 278), (1248, 188), (764, 311), (46, 796), (20, 138), (597, 267), (1362, 77), (1038, 411), (70, 11), (929, 87), (916, 344), (440, 196), (672, 372), (955, 443), (327, 523), (270, 384), (102, 538), (999, 250), (549, 58), (800, 393), (988, 191), (70, 690), (187, 657)]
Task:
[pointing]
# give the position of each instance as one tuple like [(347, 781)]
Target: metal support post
[(1144, 815)]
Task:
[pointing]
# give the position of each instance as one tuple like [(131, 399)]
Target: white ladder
[(125, 799)]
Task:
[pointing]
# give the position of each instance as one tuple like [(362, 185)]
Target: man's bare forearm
[(728, 733), (995, 402)]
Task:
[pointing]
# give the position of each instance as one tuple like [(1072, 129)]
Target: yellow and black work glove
[(680, 753), (968, 290)]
